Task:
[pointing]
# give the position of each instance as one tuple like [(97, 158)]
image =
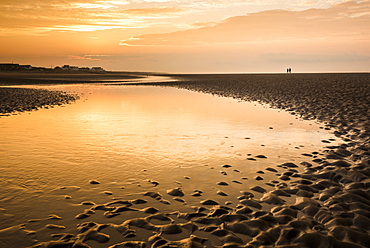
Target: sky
[(192, 36)]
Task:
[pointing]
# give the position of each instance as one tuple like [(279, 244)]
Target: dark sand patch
[(13, 100)]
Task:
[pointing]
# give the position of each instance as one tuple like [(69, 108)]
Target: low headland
[(325, 205)]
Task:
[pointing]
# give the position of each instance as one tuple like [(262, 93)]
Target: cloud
[(204, 24), (84, 57), (89, 57), (40, 16), (153, 11), (93, 5), (37, 17), (349, 20)]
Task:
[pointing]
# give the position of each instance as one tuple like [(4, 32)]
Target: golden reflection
[(162, 122), (129, 136)]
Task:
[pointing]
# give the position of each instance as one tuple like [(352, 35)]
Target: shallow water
[(124, 136)]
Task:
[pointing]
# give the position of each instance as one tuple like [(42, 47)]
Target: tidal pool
[(127, 137)]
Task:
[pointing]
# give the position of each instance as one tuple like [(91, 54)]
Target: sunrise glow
[(188, 36)]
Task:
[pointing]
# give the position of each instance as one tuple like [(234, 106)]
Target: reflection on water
[(124, 135), (144, 79)]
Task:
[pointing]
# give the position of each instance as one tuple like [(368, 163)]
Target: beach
[(321, 199), (20, 100), (333, 196)]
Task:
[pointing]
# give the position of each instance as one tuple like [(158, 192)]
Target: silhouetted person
[(290, 70)]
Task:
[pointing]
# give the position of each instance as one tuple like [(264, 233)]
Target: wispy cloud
[(89, 57), (346, 20), (24, 17), (76, 57), (188, 35), (38, 16)]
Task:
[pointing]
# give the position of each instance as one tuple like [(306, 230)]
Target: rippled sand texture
[(321, 202), (332, 199), (19, 100)]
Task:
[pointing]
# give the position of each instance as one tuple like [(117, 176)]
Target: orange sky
[(188, 36)]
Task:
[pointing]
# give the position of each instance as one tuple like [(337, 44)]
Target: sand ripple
[(327, 204)]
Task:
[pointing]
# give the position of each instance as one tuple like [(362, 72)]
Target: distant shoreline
[(55, 77), (52, 77)]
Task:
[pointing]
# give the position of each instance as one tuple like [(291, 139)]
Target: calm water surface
[(125, 135)]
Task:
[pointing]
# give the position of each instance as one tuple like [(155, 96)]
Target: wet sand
[(15, 100), (332, 197), (323, 201), (63, 77)]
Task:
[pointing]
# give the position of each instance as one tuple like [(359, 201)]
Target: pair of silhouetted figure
[(289, 70)]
